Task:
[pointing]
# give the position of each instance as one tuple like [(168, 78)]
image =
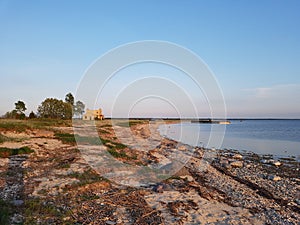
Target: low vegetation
[(5, 212), (3, 138), (6, 152), (44, 210), (68, 138), (130, 123), (88, 177), (23, 125)]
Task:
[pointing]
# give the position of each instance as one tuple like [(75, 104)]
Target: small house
[(93, 115)]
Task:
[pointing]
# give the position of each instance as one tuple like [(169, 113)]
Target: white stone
[(277, 163), (274, 178), (238, 156)]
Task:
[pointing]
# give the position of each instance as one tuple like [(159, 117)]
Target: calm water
[(277, 137)]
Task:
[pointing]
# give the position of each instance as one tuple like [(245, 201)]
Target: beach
[(145, 179)]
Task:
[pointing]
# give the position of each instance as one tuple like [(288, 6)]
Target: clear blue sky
[(253, 47)]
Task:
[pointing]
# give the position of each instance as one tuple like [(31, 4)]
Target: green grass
[(14, 125), (3, 138), (23, 125), (38, 208), (68, 138), (130, 123), (87, 177), (6, 152), (116, 145), (113, 147), (116, 154)]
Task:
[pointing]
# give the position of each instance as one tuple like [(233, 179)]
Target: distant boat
[(210, 121)]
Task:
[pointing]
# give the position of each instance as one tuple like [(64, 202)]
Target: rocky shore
[(63, 182)]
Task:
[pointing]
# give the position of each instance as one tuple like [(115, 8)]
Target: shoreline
[(59, 186), (235, 143), (269, 179)]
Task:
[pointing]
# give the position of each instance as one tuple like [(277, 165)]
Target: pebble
[(264, 161), (237, 164), (274, 178), (237, 156), (18, 202), (182, 148), (17, 219), (277, 163)]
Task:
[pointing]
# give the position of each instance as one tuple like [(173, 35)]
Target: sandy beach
[(145, 179)]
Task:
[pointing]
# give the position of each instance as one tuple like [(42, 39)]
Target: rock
[(17, 219), (238, 156), (277, 163), (4, 162), (160, 188), (182, 148), (182, 172), (274, 178), (110, 222), (18, 202), (66, 218), (237, 164), (189, 178)]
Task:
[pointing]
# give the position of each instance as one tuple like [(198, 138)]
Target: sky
[(251, 47)]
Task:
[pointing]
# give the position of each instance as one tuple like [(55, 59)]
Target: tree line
[(51, 108)]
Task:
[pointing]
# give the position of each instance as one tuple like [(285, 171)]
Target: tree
[(31, 115), (11, 115), (20, 107), (18, 112), (55, 109), (69, 99), (79, 108)]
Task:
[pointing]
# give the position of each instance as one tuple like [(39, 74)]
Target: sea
[(277, 137)]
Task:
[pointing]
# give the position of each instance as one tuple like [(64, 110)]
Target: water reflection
[(245, 136)]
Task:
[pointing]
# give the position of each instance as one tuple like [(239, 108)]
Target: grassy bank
[(23, 125)]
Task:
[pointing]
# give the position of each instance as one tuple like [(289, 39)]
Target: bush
[(32, 115), (6, 152)]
